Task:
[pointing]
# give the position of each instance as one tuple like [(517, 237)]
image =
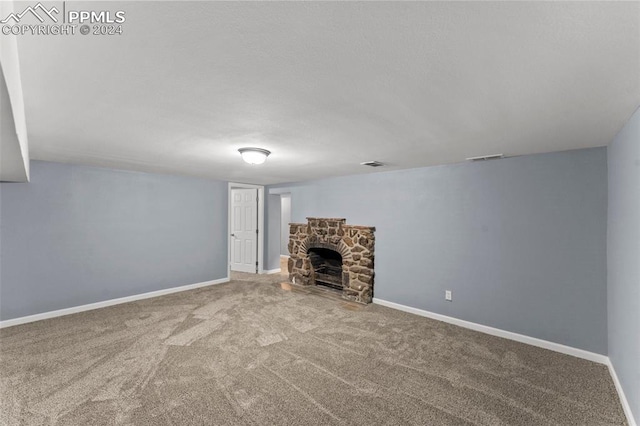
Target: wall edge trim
[(623, 398), (545, 344), (106, 303)]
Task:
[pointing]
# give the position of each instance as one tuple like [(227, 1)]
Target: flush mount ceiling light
[(254, 155), (486, 157), (372, 163)]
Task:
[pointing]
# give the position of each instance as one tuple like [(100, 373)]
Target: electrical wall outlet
[(447, 295)]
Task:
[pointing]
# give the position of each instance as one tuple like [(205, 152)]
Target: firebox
[(327, 267)]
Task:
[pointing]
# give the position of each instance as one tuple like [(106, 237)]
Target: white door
[(244, 227)]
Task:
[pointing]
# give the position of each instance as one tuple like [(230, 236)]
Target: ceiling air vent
[(372, 164), (486, 157)]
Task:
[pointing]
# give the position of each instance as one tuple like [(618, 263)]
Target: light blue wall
[(521, 241), (78, 235), (623, 254)]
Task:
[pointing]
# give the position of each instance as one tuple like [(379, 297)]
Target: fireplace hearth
[(328, 252)]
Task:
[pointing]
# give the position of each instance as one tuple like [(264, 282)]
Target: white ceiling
[(328, 85)]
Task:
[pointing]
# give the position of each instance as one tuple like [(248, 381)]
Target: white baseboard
[(271, 271), (105, 303), (623, 398), (580, 353), (557, 347)]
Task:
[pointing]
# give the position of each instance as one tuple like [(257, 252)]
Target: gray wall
[(285, 211), (520, 241), (78, 235), (623, 253)]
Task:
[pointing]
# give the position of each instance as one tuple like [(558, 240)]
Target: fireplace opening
[(327, 267)]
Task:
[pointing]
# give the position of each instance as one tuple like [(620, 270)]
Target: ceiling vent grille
[(372, 164), (486, 157)]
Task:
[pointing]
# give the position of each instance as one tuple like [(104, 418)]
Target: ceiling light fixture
[(254, 155), (486, 157), (372, 163)]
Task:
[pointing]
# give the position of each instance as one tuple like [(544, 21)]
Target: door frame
[(284, 231), (260, 255)]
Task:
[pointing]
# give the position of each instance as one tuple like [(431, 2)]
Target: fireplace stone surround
[(353, 244)]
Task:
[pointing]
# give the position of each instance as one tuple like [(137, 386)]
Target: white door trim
[(260, 189)]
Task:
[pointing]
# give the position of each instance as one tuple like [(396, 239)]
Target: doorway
[(285, 219), (246, 224)]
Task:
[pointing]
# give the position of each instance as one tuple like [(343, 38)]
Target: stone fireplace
[(327, 252)]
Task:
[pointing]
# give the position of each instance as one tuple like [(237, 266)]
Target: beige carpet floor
[(252, 353)]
